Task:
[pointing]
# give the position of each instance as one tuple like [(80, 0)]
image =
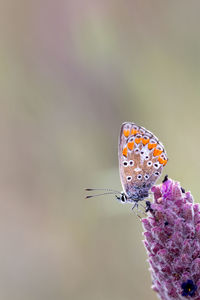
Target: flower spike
[(172, 241)]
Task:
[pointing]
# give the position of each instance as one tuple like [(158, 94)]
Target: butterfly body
[(141, 161)]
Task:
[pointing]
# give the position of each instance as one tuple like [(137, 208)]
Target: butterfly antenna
[(107, 190), (91, 196)]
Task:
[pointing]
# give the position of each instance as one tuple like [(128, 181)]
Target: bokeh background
[(71, 72)]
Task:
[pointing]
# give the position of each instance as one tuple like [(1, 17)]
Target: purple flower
[(172, 240)]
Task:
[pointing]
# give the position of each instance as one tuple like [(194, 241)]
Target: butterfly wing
[(141, 160)]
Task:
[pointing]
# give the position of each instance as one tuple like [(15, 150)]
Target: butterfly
[(142, 158)]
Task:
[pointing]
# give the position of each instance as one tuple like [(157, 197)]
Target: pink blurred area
[(71, 73)]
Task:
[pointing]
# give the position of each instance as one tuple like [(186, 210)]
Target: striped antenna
[(107, 192)]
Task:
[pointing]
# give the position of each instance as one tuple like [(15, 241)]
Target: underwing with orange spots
[(141, 160)]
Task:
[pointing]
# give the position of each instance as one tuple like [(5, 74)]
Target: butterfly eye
[(146, 176), (156, 173), (125, 163), (131, 163), (123, 198), (156, 165), (139, 177), (129, 178), (149, 164)]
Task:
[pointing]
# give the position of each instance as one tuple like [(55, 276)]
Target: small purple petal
[(146, 224)]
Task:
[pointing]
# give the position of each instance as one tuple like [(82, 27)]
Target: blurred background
[(71, 72)]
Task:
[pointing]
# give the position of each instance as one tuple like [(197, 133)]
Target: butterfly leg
[(136, 205), (146, 208), (143, 212)]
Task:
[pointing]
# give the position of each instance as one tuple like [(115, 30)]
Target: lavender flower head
[(172, 240)]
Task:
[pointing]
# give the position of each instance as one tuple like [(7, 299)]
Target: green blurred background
[(71, 73)]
